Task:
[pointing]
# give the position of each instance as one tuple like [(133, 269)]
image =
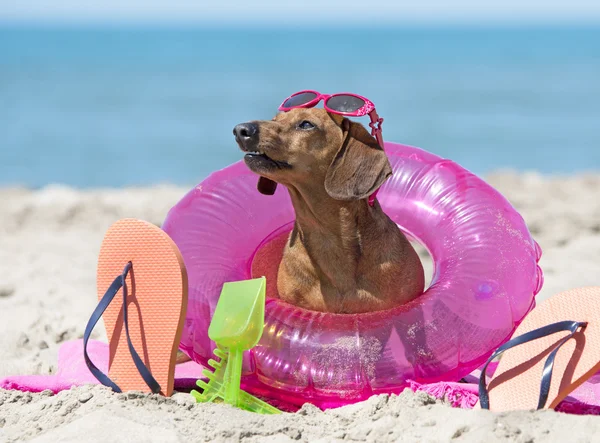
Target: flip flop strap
[(544, 331), (118, 283)]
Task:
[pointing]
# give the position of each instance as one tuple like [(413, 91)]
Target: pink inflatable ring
[(485, 279)]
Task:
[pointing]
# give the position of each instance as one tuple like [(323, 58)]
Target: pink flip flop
[(145, 323), (553, 351)]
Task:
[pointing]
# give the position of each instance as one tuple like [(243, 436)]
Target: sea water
[(134, 106)]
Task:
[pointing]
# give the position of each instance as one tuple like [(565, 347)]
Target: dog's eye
[(305, 124)]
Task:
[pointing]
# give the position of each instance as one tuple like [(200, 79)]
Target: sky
[(298, 13)]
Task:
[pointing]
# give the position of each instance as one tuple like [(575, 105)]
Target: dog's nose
[(245, 131)]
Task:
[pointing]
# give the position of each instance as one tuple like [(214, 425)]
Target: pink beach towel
[(72, 371), (585, 400)]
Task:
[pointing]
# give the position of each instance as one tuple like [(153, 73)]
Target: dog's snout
[(245, 131)]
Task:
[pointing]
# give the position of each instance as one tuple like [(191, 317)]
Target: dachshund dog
[(343, 255)]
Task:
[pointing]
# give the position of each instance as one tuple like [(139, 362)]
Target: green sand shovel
[(236, 326)]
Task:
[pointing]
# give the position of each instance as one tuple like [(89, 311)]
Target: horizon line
[(274, 24)]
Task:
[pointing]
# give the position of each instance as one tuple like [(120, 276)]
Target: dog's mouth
[(256, 159)]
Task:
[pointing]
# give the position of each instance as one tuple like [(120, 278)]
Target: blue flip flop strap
[(96, 315), (544, 331), (118, 283)]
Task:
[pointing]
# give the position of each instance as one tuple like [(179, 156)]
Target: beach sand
[(49, 240)]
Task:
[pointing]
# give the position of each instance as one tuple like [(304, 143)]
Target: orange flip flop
[(145, 321), (553, 351)]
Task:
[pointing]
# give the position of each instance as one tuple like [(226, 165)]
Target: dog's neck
[(334, 233), (318, 210)]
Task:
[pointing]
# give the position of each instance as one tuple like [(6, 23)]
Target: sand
[(49, 240)]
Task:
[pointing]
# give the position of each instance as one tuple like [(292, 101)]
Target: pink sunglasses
[(351, 105)]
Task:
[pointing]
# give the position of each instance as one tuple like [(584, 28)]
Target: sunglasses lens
[(345, 103), (299, 99)]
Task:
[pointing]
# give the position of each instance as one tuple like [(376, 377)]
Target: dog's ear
[(266, 186), (359, 167)]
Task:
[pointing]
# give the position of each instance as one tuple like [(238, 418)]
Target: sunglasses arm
[(375, 126)]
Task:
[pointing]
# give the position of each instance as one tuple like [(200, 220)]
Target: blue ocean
[(135, 106)]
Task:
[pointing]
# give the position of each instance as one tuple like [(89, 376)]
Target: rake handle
[(233, 375)]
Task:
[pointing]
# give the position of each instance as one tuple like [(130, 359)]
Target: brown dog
[(343, 255)]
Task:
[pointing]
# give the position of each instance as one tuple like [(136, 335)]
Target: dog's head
[(307, 146)]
